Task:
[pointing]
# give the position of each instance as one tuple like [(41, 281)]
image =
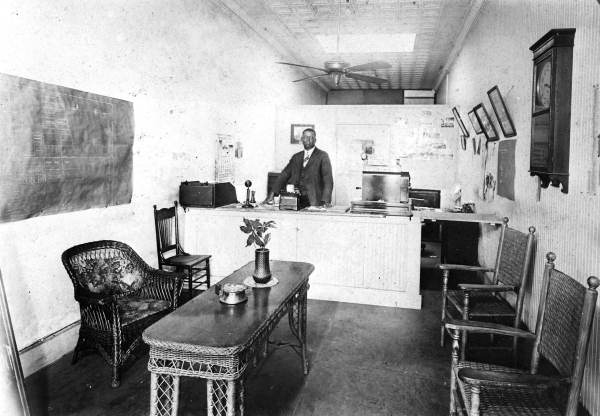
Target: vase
[(262, 272)]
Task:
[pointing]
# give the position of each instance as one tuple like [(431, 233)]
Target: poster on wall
[(506, 169), (62, 149), (419, 135)]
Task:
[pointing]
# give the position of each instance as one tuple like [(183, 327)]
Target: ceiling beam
[(460, 39), (286, 53)]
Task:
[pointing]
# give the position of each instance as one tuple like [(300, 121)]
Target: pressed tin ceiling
[(293, 27)]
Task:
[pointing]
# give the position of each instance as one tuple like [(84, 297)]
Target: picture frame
[(475, 122), (458, 119), (489, 130), (296, 132), (502, 114)]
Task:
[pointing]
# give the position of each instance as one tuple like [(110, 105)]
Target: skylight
[(368, 43)]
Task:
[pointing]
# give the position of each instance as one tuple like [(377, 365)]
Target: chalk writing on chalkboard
[(62, 149)]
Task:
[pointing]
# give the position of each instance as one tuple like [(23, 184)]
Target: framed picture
[(296, 131), (463, 129), (486, 123), (506, 123), (475, 122)]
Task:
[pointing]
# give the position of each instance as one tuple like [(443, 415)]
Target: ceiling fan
[(338, 68), (335, 69)]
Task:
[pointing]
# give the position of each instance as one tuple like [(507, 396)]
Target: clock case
[(550, 126)]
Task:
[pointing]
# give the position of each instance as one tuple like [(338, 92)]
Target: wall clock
[(551, 108)]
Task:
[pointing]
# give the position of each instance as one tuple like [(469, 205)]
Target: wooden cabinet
[(460, 241), (551, 107)]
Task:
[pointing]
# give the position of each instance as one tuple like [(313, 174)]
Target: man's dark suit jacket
[(315, 181)]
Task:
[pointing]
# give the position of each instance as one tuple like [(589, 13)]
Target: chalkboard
[(506, 169), (61, 149)]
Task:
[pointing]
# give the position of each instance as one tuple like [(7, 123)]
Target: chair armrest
[(501, 379), (92, 299), (485, 288), (465, 268), (162, 285), (486, 328), (163, 277)]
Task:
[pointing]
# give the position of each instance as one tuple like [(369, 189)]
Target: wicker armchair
[(119, 296), (488, 302), (564, 322)]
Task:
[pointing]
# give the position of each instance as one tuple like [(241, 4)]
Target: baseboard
[(47, 350), (364, 296)]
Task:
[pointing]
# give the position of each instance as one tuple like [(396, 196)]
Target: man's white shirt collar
[(309, 152)]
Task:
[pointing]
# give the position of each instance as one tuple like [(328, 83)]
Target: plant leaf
[(247, 222), (245, 229), (267, 239), (250, 240)]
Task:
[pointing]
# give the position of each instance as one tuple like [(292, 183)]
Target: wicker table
[(205, 338)]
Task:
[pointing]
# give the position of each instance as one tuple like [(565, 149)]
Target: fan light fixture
[(368, 43), (336, 76)]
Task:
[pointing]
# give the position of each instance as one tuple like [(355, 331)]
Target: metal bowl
[(233, 293)]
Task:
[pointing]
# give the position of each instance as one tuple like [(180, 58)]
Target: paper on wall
[(224, 167)]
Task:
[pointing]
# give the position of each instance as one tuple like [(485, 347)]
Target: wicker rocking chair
[(564, 321), (119, 296), (488, 302)]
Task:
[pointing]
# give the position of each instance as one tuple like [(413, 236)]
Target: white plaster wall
[(496, 52), (192, 70), (425, 173)]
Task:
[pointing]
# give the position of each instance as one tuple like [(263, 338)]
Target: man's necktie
[(305, 160)]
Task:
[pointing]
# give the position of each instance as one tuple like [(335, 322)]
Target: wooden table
[(205, 338)]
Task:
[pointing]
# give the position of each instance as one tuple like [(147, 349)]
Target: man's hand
[(268, 200)]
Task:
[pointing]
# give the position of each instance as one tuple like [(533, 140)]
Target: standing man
[(310, 172)]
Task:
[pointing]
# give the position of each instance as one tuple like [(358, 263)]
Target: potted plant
[(259, 235)]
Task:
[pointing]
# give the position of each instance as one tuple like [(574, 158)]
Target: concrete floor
[(365, 360)]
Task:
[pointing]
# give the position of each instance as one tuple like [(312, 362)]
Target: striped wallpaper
[(496, 52)]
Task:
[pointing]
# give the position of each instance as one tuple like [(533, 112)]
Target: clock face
[(543, 84)]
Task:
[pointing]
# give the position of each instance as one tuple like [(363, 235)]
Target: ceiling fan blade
[(316, 76), (302, 66), (371, 66), (366, 78)]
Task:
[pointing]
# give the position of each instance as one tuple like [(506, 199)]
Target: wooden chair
[(488, 302), (564, 322), (119, 296), (170, 252)]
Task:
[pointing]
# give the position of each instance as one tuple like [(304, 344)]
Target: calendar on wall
[(224, 166)]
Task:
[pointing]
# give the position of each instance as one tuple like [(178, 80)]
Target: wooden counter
[(436, 215), (358, 258)]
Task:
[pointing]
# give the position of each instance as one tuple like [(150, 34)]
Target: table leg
[(164, 394), (242, 397), (222, 397), (297, 321)]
